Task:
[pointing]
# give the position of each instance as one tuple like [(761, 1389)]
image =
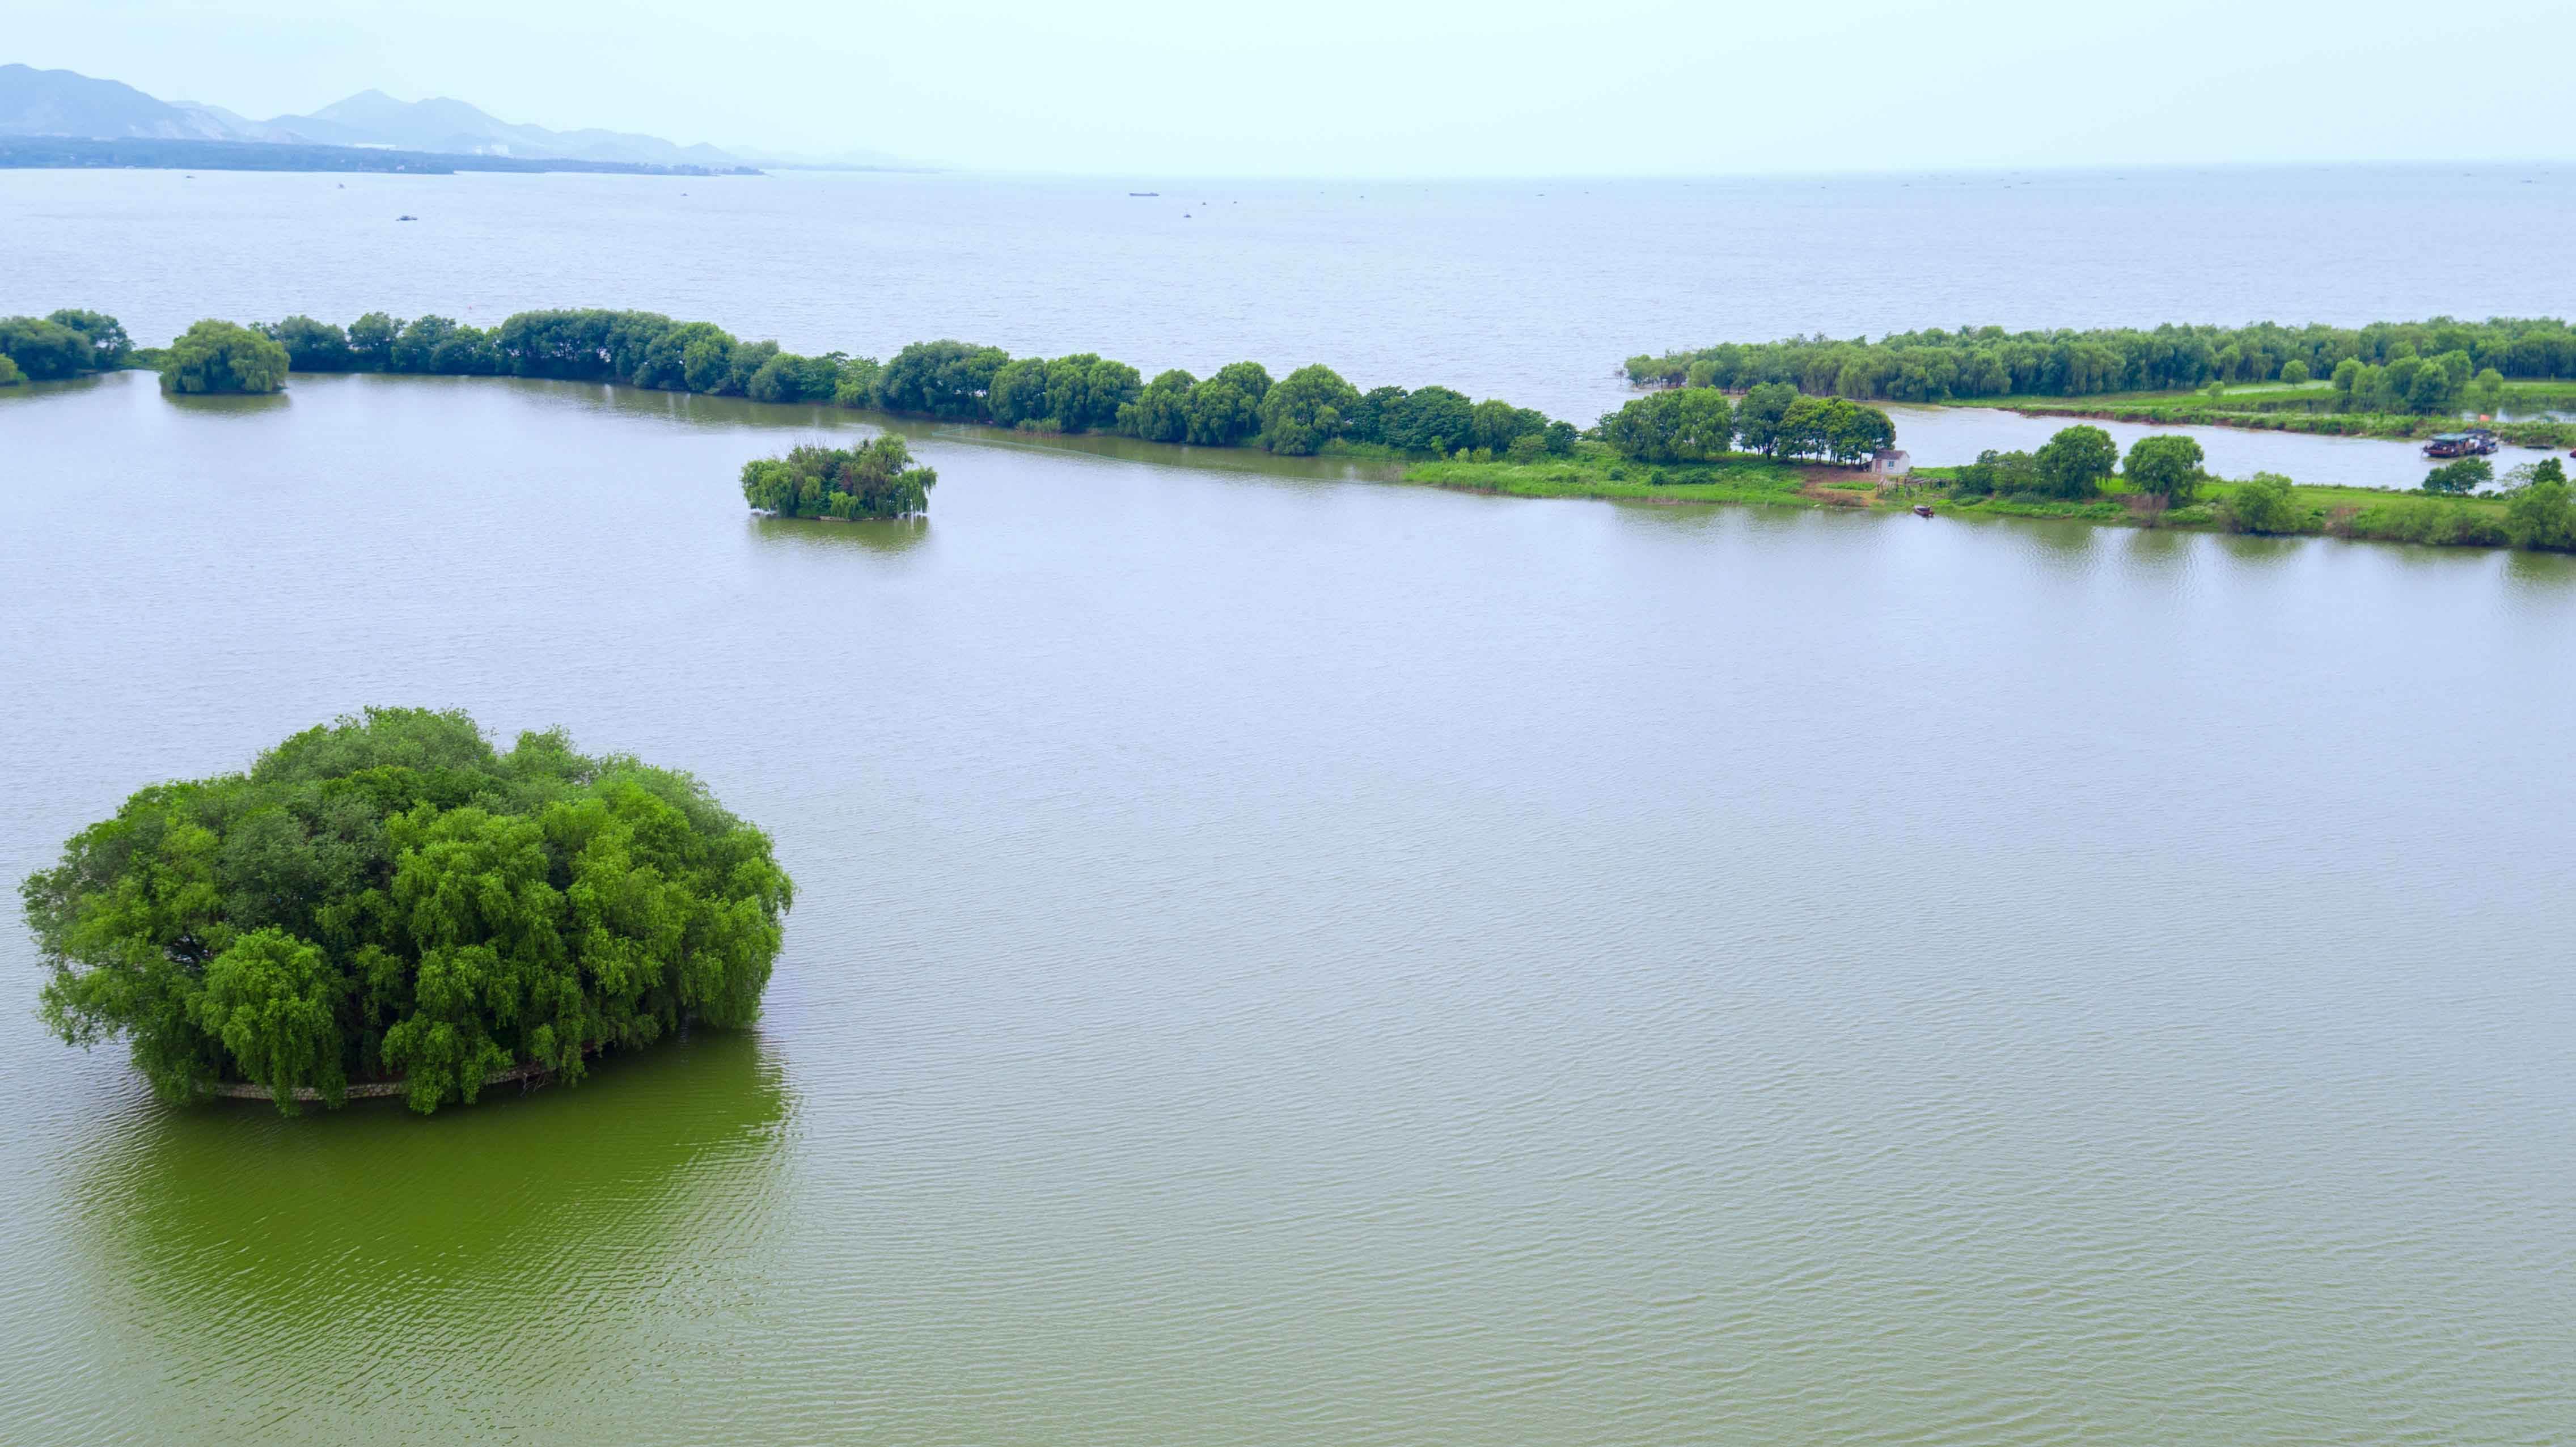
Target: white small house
[(1893, 462)]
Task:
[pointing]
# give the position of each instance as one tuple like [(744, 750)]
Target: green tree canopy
[(1161, 411), (371, 341), (856, 382), (1835, 428), (213, 356), (744, 362), (1085, 391), (1221, 414), (1757, 420), (1685, 425), (2262, 504), (1308, 408), (418, 342), (387, 897), (1375, 412), (787, 377), (2457, 479), (876, 479), (2486, 390), (2076, 462), (10, 376), (109, 345), (1432, 419), (46, 350), (2166, 466), (1939, 363), (2434, 389), (1018, 393), (1250, 378), (706, 356), (312, 346), (1998, 472), (1495, 425), (941, 379), (2542, 515)]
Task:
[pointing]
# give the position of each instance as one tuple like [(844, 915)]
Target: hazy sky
[(1380, 87)]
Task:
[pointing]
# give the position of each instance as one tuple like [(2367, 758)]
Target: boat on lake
[(2476, 442)]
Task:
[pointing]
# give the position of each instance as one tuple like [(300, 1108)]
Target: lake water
[(1534, 291), (1287, 958)]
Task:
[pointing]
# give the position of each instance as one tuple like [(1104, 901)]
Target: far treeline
[(1307, 411), (2426, 367)]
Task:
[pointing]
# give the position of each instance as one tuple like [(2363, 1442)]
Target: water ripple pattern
[(1283, 958)]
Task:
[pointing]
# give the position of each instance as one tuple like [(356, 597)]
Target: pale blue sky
[(1370, 87)]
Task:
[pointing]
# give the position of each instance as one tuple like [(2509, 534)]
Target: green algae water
[(1286, 958)]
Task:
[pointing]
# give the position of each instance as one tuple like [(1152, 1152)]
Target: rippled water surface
[(1283, 957), (1286, 958)]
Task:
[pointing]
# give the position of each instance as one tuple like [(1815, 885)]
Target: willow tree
[(387, 898), (218, 356), (876, 479)]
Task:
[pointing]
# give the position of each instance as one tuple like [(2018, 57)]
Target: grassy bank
[(1594, 471), (2344, 512)]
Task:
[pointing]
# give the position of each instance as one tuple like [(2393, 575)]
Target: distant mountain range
[(66, 103)]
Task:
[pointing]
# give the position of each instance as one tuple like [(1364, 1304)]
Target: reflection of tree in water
[(698, 409), (229, 404), (869, 535), (363, 1272), (823, 422)]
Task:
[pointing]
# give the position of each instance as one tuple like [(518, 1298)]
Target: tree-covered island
[(388, 898), (214, 357), (876, 479)]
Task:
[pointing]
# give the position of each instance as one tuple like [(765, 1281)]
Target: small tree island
[(876, 479), (214, 356), (389, 901)]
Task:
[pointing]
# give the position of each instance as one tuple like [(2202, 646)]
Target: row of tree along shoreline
[(1775, 444), (2393, 379), (1664, 448), (1310, 410)]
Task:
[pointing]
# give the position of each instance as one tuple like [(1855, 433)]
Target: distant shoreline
[(76, 153)]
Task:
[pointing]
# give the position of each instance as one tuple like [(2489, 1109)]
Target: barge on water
[(2476, 442)]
